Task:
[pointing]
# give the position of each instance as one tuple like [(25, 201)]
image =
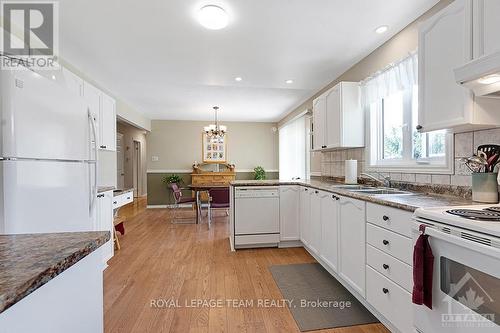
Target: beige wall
[(178, 144), (131, 134)]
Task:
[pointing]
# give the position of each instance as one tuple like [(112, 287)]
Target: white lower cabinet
[(104, 221), (315, 227), (305, 215), (392, 301), (330, 230), (289, 213), (352, 243)]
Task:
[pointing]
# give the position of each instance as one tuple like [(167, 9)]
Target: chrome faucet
[(383, 180)]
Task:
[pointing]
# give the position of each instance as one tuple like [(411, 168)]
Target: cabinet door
[(108, 123), (333, 117), (73, 82), (305, 215), (104, 220), (289, 213), (329, 230), (319, 118), (445, 43), (92, 96), (486, 27), (352, 235), (315, 225)]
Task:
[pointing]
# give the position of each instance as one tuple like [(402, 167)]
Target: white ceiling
[(154, 55)]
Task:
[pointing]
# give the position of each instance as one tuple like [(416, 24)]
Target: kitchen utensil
[(465, 161), (491, 162), (477, 162), (489, 149)]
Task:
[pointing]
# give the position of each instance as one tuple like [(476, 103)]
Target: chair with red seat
[(219, 198), (180, 200)]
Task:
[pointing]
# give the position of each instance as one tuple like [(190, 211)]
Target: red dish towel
[(423, 265)]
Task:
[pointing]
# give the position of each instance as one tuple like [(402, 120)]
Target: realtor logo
[(471, 296), (30, 34)]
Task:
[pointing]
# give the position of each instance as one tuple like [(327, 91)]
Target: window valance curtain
[(396, 77)]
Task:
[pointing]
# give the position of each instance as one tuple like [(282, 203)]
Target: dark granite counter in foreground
[(409, 202), (29, 261)]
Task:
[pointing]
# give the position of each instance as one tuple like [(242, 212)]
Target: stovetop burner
[(488, 214)]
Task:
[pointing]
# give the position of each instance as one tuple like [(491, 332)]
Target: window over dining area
[(390, 99)]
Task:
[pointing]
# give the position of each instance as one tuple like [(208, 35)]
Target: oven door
[(466, 284)]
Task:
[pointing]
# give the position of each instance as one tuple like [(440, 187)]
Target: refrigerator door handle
[(93, 191)]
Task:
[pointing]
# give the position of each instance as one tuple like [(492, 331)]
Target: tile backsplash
[(332, 162)]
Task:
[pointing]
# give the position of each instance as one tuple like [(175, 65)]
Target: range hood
[(482, 75)]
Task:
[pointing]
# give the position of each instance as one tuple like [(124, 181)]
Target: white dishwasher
[(256, 216)]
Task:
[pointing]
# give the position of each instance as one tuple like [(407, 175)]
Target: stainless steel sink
[(385, 191), (353, 187)]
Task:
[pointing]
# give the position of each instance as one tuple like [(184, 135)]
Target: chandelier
[(215, 130)]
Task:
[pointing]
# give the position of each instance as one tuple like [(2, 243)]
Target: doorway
[(120, 162), (136, 168)]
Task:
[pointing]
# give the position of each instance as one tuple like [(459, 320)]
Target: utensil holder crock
[(485, 187)]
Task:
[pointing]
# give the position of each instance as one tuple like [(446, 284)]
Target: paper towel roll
[(351, 171)]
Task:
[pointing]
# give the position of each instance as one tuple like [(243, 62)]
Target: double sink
[(369, 190)]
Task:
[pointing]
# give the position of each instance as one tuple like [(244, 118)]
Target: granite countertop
[(29, 261), (102, 189), (409, 202), (118, 192)]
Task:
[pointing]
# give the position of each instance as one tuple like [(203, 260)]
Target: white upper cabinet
[(73, 82), (446, 43), (289, 213), (108, 123), (338, 119), (319, 114), (486, 27), (103, 109)]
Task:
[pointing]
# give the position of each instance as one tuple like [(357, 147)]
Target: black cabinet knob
[(419, 127), (333, 197), (337, 198), (385, 290), (385, 266), (305, 189), (316, 192), (114, 202), (385, 241), (385, 218)]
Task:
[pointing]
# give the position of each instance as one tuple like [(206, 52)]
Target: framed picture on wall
[(214, 149)]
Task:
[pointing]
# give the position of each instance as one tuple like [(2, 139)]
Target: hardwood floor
[(163, 261)]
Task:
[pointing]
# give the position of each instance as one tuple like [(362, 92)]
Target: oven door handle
[(477, 247)]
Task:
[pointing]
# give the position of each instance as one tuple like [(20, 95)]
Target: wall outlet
[(154, 158)]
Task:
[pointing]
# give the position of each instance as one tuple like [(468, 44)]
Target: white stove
[(480, 218), (465, 242)]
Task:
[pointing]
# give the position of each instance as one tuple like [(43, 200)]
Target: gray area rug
[(317, 300)]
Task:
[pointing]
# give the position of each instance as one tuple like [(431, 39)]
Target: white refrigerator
[(47, 157)]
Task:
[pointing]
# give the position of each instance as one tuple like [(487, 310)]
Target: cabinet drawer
[(390, 218), (389, 242), (390, 267), (123, 199), (392, 301)]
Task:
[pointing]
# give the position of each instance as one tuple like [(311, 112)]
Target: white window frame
[(407, 164)]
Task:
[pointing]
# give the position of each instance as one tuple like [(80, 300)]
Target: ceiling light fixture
[(213, 17), (381, 29), (289, 81), (215, 130), (238, 79), (489, 79)]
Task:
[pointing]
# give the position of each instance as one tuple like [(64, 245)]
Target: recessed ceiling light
[(289, 81), (213, 17), (53, 77), (238, 79), (489, 79), (381, 29)]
